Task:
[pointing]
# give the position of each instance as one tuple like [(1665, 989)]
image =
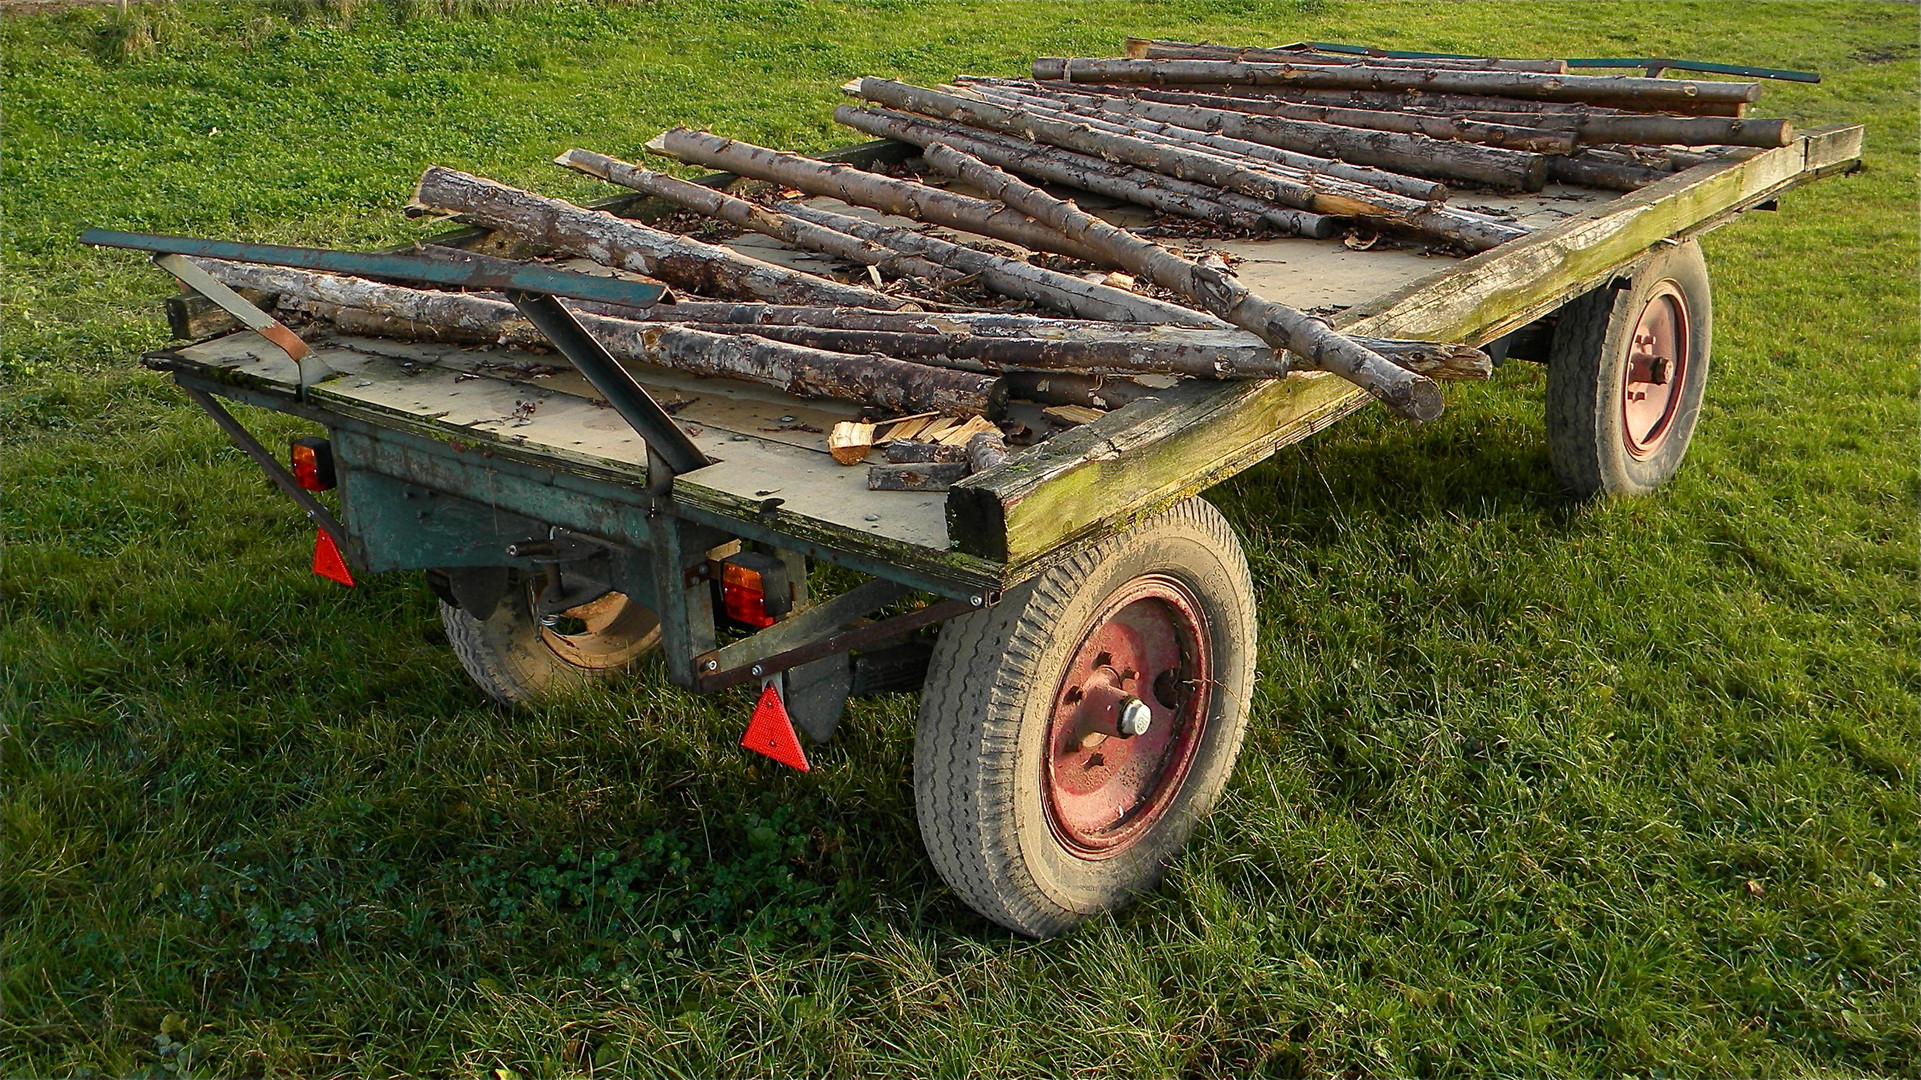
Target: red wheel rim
[(1656, 370), (1147, 657)]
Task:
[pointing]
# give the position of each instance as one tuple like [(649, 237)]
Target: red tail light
[(743, 595), (313, 463)]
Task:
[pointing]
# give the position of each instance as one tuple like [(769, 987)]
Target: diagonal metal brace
[(667, 443), (322, 517)]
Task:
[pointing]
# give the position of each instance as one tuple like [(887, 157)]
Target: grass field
[(1532, 788)]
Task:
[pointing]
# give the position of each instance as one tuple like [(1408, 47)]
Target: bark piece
[(628, 245), (876, 380), (912, 452), (985, 450), (902, 198), (932, 476), (1407, 393)]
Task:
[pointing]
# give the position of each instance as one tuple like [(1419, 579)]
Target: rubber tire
[(1585, 437), (985, 709), (509, 657)]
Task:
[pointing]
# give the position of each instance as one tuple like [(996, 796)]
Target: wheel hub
[(1128, 717), (1655, 372)]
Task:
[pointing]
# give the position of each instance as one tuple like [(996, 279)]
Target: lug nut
[(1135, 718)]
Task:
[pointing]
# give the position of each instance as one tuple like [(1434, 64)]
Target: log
[(1072, 388), (1398, 183), (1449, 128), (678, 260), (1413, 396), (1115, 180), (1652, 129), (935, 476), (1064, 293), (724, 207), (1398, 151), (1449, 104), (985, 450), (1589, 171), (1633, 91), (874, 380), (858, 187), (1322, 195), (1156, 49), (915, 452)]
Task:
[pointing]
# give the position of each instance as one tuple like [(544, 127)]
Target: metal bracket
[(666, 440), (744, 666), (240, 308)]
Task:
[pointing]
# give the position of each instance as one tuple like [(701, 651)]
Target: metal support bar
[(1657, 64), (873, 634), (825, 618), (276, 472), (444, 266), (664, 436), (240, 308)]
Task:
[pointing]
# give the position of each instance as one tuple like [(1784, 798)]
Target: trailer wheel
[(516, 659), (1071, 737), (1626, 374)]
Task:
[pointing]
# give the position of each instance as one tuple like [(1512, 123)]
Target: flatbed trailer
[(504, 476)]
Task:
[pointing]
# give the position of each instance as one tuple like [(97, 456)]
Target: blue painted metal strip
[(445, 266)]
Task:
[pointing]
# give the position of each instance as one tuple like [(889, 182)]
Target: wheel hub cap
[(1655, 372), (1128, 717)]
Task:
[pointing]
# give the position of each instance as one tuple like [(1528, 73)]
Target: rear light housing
[(754, 591), (313, 463)]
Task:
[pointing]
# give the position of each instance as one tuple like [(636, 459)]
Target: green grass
[(1533, 787)]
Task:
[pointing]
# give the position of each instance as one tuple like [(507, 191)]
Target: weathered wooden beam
[(1064, 293), (678, 260), (902, 198), (1116, 180), (1306, 165), (1321, 195), (1218, 292), (1157, 49), (724, 207), (1087, 482), (804, 372), (1632, 91)]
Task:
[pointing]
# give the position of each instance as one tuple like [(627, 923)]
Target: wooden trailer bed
[(998, 527)]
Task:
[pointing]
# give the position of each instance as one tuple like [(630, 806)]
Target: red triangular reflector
[(771, 731), (327, 560)]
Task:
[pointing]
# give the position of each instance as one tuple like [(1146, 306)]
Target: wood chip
[(974, 426), (850, 441), (1072, 415)]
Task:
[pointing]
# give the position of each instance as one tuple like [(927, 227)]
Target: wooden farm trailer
[(458, 462)]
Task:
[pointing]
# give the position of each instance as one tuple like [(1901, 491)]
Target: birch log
[(1156, 49), (1398, 151), (724, 207), (874, 380), (1322, 195), (1413, 396), (902, 198), (612, 241), (1116, 180), (1064, 293), (1287, 162), (1631, 90)]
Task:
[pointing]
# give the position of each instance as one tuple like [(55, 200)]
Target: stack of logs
[(1250, 141)]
